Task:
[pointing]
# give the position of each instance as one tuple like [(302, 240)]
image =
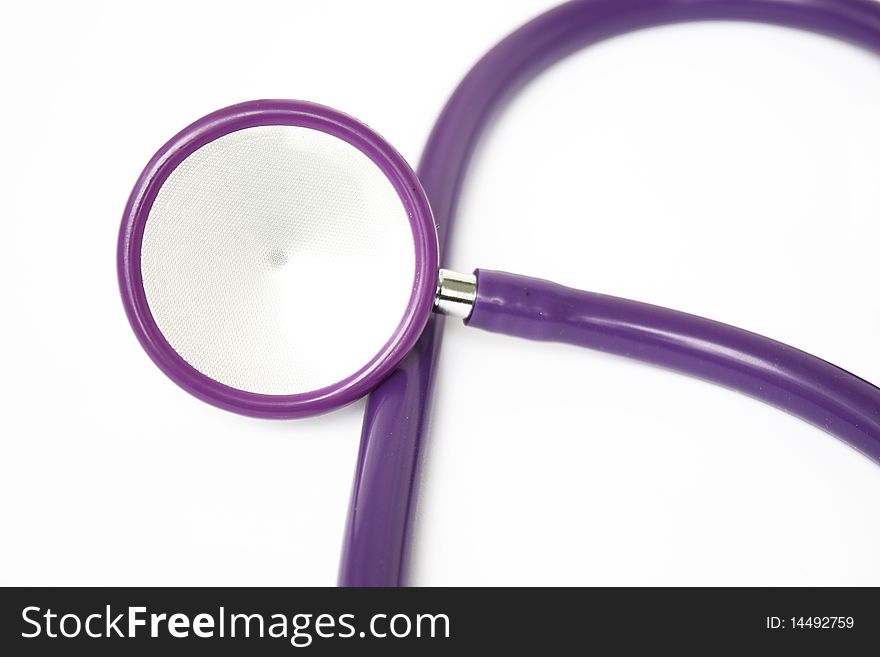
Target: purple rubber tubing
[(788, 378), (376, 544)]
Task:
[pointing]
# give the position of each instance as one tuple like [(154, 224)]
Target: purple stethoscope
[(279, 259)]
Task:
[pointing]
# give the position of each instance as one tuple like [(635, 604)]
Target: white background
[(727, 170)]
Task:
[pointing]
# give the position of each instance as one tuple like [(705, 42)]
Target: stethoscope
[(279, 259)]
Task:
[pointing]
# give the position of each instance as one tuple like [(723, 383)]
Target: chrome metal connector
[(456, 294)]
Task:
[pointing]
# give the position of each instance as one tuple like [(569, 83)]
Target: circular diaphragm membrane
[(258, 254), (278, 258)]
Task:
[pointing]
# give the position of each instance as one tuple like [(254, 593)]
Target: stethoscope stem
[(456, 294)]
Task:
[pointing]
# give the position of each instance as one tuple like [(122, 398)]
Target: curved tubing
[(375, 547), (788, 378)]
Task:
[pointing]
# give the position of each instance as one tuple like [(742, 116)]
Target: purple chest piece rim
[(291, 113)]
